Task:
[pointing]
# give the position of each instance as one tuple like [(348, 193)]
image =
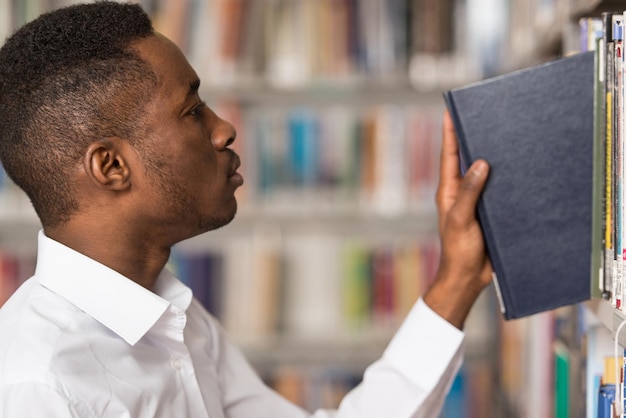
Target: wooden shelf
[(397, 93), (403, 227), (594, 8), (19, 224)]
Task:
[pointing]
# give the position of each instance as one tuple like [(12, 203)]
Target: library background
[(338, 107)]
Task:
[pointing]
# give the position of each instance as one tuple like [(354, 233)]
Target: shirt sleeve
[(34, 399), (410, 380), (414, 374)]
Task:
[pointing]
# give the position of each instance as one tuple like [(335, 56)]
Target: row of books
[(383, 158), (609, 387), (289, 44), (380, 159), (542, 364), (605, 374), (285, 43), (605, 35), (312, 286)]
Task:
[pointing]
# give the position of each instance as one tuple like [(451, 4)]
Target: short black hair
[(68, 78)]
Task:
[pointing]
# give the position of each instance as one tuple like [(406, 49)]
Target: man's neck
[(135, 257)]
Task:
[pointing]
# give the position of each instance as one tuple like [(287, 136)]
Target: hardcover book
[(535, 128)]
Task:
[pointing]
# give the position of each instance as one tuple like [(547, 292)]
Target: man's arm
[(414, 374), (464, 268)]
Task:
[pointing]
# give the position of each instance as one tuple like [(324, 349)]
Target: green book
[(561, 382)]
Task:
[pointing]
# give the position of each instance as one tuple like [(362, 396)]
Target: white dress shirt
[(80, 340)]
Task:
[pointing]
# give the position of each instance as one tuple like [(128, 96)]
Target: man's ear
[(106, 164)]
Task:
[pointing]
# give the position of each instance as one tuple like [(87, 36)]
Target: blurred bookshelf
[(338, 106)]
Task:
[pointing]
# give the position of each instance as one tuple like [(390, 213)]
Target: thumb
[(471, 187)]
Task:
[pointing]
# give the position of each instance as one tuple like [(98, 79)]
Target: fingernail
[(480, 167)]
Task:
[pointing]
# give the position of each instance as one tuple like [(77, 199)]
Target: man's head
[(69, 78), (101, 121)]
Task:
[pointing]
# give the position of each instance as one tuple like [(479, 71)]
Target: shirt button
[(176, 363)]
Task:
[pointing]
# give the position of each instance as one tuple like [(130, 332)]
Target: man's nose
[(223, 135)]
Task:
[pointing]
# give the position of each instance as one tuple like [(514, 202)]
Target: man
[(102, 126)]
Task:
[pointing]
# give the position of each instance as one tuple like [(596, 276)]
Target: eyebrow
[(193, 87)]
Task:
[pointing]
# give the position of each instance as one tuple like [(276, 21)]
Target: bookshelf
[(590, 332), (382, 85)]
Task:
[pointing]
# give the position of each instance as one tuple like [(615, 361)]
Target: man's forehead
[(173, 71)]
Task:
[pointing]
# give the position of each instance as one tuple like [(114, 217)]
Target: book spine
[(622, 390), (594, 38), (610, 172), (618, 141), (618, 35), (561, 381), (303, 149), (608, 390)]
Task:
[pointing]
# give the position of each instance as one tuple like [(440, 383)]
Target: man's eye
[(197, 110)]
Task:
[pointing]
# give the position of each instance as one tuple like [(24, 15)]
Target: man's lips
[(233, 174), (234, 165)]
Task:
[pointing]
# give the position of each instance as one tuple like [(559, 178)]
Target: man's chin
[(217, 222)]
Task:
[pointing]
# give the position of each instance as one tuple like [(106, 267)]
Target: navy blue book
[(535, 128)]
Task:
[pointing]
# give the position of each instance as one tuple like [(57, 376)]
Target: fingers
[(449, 169), (449, 159), (457, 192), (469, 191)]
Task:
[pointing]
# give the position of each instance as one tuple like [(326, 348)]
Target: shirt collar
[(123, 306)]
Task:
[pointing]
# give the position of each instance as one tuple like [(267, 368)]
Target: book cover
[(535, 128)]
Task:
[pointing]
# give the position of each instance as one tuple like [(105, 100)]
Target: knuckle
[(468, 184), (438, 198), (455, 218)]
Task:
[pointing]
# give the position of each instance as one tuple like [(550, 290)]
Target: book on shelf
[(594, 41), (562, 381), (535, 128), (608, 252)]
